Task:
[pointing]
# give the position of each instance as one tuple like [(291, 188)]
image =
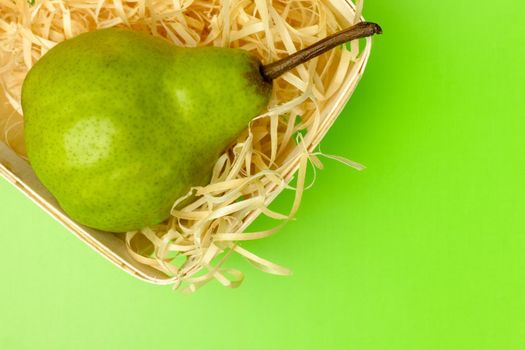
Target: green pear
[(119, 124)]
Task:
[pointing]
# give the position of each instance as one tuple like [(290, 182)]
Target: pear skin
[(119, 124)]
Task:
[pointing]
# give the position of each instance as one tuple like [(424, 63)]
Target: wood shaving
[(193, 245)]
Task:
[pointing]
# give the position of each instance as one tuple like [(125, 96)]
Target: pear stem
[(278, 68)]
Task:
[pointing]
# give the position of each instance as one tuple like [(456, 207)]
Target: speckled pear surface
[(119, 125)]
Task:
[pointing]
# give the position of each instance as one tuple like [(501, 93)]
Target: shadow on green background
[(423, 250)]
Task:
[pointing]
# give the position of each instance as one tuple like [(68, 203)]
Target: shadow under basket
[(18, 171)]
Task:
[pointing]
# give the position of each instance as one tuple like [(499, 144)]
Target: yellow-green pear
[(119, 124)]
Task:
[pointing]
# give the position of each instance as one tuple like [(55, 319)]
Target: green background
[(423, 250)]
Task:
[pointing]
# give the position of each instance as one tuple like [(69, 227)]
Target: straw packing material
[(194, 243)]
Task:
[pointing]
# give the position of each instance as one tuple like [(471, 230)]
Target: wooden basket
[(18, 172)]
